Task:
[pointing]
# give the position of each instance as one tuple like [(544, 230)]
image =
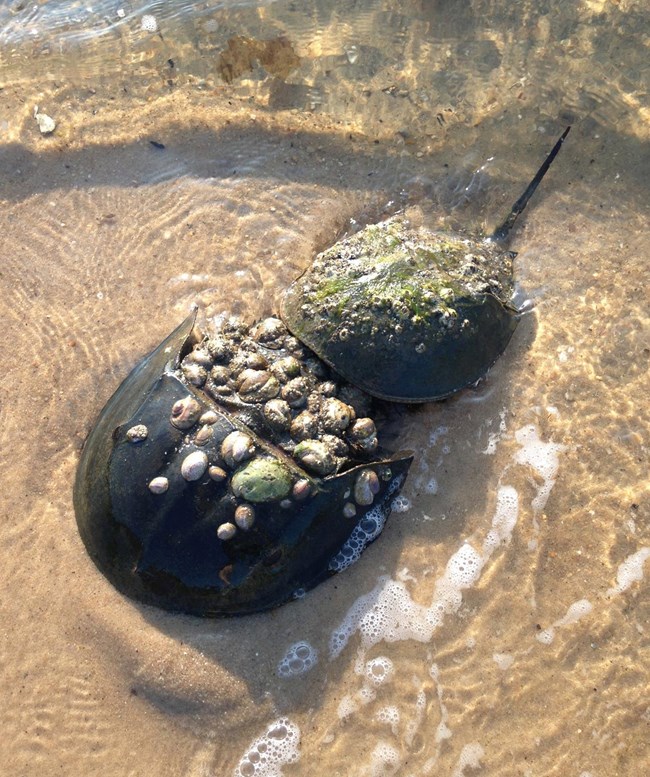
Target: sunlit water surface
[(202, 153)]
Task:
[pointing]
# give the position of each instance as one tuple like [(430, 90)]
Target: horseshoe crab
[(232, 472)]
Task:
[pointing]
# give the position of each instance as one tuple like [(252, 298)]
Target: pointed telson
[(501, 233)]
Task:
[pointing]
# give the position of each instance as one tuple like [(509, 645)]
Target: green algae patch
[(405, 314), (262, 480)]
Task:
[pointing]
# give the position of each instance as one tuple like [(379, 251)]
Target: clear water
[(500, 624)]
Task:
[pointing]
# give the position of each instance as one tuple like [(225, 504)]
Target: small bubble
[(401, 504), (148, 23), (299, 658)]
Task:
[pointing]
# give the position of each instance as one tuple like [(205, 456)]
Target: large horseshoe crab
[(233, 471)]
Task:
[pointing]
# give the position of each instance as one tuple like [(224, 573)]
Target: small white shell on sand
[(46, 124)]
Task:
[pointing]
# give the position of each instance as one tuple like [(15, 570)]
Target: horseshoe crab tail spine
[(501, 233)]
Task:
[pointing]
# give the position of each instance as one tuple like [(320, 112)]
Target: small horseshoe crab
[(234, 471)]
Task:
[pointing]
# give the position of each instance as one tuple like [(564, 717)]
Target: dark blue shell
[(163, 549), (406, 315), (411, 315)]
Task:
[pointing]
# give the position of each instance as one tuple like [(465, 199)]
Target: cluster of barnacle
[(487, 268), (280, 421), (235, 459), (391, 282), (284, 393)]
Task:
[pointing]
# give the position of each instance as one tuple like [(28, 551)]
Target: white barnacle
[(366, 487), (137, 433), (209, 417), (226, 531), (237, 447), (349, 510), (159, 485), (194, 465), (244, 517), (185, 412), (217, 474)]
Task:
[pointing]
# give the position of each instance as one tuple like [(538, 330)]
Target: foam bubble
[(385, 760), (379, 670), (386, 613), (437, 433), (494, 438), (442, 732), (491, 447), (366, 694), (504, 520), (432, 486), (546, 636), (389, 715), (401, 504), (394, 617), (299, 658), (404, 575), (148, 23), (542, 457), (367, 530), (267, 755), (341, 635), (630, 571), (414, 724), (347, 706), (464, 567), (503, 660), (576, 611), (470, 757)]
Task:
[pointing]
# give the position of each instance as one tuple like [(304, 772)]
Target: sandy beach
[(213, 181)]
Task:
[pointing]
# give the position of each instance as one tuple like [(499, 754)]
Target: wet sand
[(539, 665)]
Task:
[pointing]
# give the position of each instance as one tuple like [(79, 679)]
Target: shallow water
[(285, 124)]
